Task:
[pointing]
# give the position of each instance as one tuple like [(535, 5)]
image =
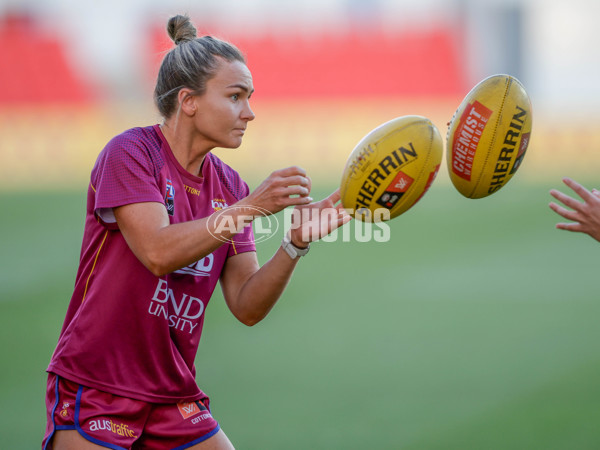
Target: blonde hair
[(190, 64)]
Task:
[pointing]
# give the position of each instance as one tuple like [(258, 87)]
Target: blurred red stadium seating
[(351, 64), (327, 64), (35, 68)]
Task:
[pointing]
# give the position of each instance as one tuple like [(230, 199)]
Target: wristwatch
[(293, 251)]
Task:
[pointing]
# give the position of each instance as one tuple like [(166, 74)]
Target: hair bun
[(180, 29)]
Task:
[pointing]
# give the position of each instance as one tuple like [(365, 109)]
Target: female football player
[(166, 220)]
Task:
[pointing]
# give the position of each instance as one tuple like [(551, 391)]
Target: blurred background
[(474, 327), (325, 72)]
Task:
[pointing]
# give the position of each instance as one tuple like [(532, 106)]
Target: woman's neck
[(187, 151)]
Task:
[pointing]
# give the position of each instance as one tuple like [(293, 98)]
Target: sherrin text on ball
[(391, 168), (488, 136)]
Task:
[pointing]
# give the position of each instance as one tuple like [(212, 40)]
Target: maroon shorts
[(123, 423)]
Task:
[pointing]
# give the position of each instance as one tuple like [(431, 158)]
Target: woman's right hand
[(285, 187)]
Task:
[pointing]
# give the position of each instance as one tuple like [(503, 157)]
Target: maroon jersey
[(127, 331)]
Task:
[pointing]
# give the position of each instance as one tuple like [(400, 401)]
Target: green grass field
[(476, 327)]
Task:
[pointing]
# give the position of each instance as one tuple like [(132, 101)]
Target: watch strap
[(293, 251)]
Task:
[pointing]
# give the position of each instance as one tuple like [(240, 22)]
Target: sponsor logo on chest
[(181, 311), (218, 204)]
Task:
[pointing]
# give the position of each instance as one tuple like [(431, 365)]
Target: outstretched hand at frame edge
[(584, 215)]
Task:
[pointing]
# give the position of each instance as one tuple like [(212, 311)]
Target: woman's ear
[(187, 101)]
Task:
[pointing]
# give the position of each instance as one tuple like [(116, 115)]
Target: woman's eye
[(235, 97)]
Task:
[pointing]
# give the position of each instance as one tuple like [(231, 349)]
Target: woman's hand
[(585, 216), (283, 188), (316, 220), (250, 291)]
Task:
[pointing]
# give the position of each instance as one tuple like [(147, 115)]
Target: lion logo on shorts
[(65, 409)]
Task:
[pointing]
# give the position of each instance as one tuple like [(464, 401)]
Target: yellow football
[(488, 136), (391, 168)]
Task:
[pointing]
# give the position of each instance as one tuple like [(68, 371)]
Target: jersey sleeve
[(125, 173)]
